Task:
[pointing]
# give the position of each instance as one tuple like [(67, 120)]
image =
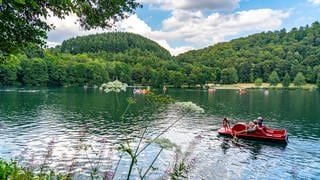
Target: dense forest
[(274, 57), (113, 42), (258, 55)]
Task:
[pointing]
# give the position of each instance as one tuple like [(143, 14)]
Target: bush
[(274, 78), (258, 82), (229, 76), (299, 80), (34, 72), (11, 170), (286, 80)]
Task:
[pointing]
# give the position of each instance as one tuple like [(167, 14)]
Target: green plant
[(11, 170), (318, 81), (274, 78), (258, 82), (299, 80), (286, 80)]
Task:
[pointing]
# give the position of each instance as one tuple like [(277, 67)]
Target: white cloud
[(198, 30), (192, 29), (193, 4), (66, 28), (315, 2)]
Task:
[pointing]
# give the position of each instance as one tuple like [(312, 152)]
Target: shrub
[(274, 78), (286, 80), (299, 80), (258, 82)]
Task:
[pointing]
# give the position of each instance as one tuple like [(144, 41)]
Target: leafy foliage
[(318, 81), (299, 80), (113, 42), (274, 78), (136, 60), (258, 82), (229, 76), (23, 22), (11, 170), (258, 55), (286, 80)]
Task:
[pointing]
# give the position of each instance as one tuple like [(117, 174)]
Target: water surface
[(31, 118)]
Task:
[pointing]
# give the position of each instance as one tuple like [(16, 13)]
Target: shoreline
[(237, 86), (263, 86)]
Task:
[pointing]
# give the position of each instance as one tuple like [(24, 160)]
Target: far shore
[(263, 86), (210, 86)]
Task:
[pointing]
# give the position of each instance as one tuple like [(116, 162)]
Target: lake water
[(31, 118)]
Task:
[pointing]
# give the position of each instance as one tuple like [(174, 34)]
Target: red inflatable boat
[(263, 133)]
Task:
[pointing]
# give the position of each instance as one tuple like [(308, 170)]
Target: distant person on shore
[(226, 123), (164, 89)]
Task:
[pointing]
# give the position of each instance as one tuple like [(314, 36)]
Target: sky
[(183, 25)]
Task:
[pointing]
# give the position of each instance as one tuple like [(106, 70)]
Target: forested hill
[(273, 57), (113, 42), (258, 55)]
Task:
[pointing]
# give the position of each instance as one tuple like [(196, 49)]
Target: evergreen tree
[(299, 80), (286, 81), (274, 78)]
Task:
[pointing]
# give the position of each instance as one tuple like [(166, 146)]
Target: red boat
[(263, 133)]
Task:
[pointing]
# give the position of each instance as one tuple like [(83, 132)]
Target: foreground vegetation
[(11, 170)]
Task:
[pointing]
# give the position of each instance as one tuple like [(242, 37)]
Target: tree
[(34, 72), (274, 78), (244, 72), (229, 76), (176, 78), (299, 80), (258, 82), (8, 71), (318, 81), (23, 22), (286, 80)]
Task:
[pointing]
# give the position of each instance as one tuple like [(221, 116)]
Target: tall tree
[(286, 80), (299, 80), (274, 78), (318, 81), (23, 22), (229, 76)]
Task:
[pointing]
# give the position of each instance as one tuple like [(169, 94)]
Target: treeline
[(273, 57), (63, 69), (52, 70), (260, 55)]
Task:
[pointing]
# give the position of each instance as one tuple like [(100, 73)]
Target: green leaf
[(21, 1)]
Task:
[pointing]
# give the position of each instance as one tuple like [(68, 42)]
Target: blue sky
[(182, 25)]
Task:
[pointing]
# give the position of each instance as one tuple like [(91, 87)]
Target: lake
[(32, 118)]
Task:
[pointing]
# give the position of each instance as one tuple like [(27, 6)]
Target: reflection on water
[(32, 118)]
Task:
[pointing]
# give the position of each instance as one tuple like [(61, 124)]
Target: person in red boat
[(226, 123), (259, 121), (252, 126)]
